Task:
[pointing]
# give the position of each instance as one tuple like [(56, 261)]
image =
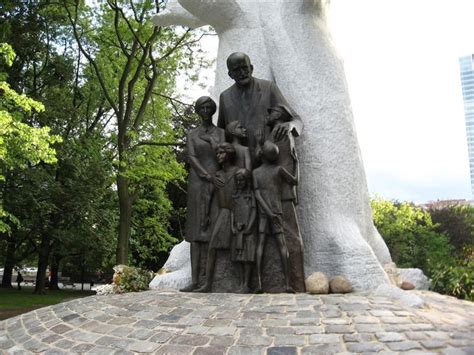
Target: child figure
[(243, 218), (221, 235), (236, 133), (268, 181)]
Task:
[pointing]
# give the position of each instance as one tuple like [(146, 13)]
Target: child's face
[(221, 155), (240, 131), (240, 181), (272, 118)]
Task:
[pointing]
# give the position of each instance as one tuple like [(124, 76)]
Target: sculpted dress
[(202, 159)]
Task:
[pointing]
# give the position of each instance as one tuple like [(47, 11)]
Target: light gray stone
[(404, 297), (317, 283), (286, 41), (414, 276), (179, 265)]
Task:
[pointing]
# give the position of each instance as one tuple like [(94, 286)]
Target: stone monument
[(289, 43)]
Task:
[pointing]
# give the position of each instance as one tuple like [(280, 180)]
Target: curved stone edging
[(169, 322)]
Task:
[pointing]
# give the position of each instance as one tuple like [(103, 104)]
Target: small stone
[(364, 347), (433, 344), (317, 283), (282, 350), (339, 284), (165, 349), (407, 286), (210, 350), (245, 350), (404, 345), (389, 336), (322, 349), (324, 338)]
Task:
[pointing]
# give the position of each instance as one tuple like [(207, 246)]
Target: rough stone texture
[(339, 284), (191, 323), (415, 277), (317, 283), (179, 265), (404, 297), (286, 41)]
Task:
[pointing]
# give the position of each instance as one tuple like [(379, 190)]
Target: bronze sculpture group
[(241, 187)]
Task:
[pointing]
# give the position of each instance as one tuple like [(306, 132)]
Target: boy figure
[(268, 182)]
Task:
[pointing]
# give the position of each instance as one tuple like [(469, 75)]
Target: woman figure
[(201, 204)]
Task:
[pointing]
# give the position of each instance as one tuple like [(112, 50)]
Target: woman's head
[(205, 107)]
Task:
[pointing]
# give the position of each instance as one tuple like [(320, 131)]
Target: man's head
[(240, 68), (270, 152), (225, 152), (235, 129)]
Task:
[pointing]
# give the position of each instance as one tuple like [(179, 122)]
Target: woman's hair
[(204, 100)]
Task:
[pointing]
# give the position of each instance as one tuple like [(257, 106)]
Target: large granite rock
[(177, 269), (289, 42), (415, 277), (404, 297)]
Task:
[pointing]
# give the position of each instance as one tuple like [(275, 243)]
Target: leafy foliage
[(455, 280), (132, 279)]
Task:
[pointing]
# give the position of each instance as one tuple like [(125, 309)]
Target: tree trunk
[(9, 264), (42, 265), (125, 219), (53, 282)]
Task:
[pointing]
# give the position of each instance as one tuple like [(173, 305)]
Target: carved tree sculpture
[(288, 41)]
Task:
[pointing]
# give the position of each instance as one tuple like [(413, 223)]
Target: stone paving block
[(224, 341), (304, 321), (161, 337), (103, 328), (421, 326), (280, 330), (145, 347), (217, 322), (285, 340), (51, 338), (309, 330), (251, 331), (101, 350), (368, 328), (210, 350), (282, 350), (193, 340), (124, 330), (82, 336), (433, 344), (65, 344), (35, 346), (61, 328), (255, 340), (331, 314), (454, 351), (82, 348), (308, 314), (322, 349), (366, 320), (56, 351), (36, 330), (364, 347), (381, 313), (437, 335), (222, 331), (416, 335), (404, 345), (337, 321), (396, 320), (246, 350), (358, 338), (339, 329), (354, 306), (6, 344), (197, 329), (122, 320), (141, 334), (389, 336), (146, 323), (171, 350), (324, 338)]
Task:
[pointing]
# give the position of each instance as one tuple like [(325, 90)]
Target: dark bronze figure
[(221, 231), (268, 182), (243, 218), (201, 204)]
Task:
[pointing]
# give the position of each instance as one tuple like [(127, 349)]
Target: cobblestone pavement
[(169, 322)]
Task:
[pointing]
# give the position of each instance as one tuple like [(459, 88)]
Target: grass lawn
[(14, 302)]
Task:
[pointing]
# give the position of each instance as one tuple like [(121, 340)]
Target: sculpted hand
[(282, 130), (218, 181), (259, 135)]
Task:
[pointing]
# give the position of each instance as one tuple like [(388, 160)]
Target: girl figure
[(201, 204), (243, 218)]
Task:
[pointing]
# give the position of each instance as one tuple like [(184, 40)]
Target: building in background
[(467, 83)]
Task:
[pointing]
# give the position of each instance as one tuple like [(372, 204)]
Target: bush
[(132, 279), (455, 280)]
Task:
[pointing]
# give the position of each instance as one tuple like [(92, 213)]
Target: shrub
[(132, 279), (455, 280)]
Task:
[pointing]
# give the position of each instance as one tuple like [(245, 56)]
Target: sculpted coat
[(250, 108)]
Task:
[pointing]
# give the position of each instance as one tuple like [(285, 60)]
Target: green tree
[(132, 61)]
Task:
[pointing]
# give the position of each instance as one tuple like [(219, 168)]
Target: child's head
[(270, 152), (235, 129), (277, 114), (242, 178), (225, 152)]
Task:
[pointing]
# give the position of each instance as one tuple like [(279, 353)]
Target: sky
[(401, 62)]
